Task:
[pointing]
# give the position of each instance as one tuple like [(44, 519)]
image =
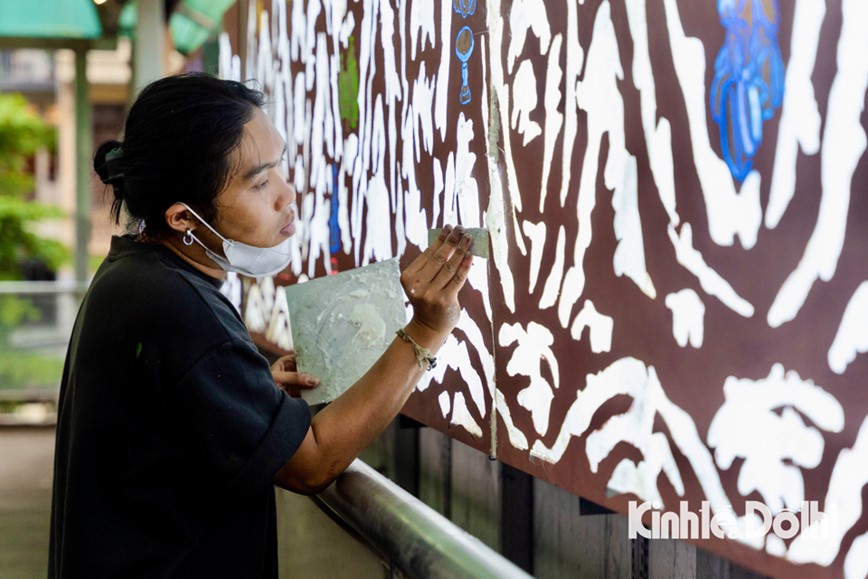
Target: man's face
[(256, 206)]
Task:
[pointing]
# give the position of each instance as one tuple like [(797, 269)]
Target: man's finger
[(441, 256), (307, 380), (286, 363), (426, 256), (452, 268), (301, 380), (463, 270)]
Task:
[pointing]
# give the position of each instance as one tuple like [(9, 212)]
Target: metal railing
[(36, 319), (62, 287), (46, 312), (409, 534)]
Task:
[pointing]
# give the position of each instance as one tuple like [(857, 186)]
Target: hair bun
[(108, 164)]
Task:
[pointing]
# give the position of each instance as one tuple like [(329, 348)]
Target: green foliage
[(22, 130), (29, 369), (14, 311), (94, 261), (22, 133), (18, 242), (15, 184)]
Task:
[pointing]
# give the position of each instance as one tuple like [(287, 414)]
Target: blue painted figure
[(748, 79), (464, 45), (464, 7), (463, 50), (334, 226)]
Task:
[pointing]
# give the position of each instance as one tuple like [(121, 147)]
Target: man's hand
[(286, 377), (432, 282)]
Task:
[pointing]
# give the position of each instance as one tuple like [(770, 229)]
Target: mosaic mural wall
[(676, 306)]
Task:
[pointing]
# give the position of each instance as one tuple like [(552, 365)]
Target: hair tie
[(113, 159)]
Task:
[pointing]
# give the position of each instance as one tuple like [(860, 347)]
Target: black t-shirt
[(170, 430)]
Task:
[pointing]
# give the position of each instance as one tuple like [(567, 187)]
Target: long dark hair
[(177, 142)]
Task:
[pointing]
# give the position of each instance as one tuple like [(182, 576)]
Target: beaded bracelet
[(423, 355)]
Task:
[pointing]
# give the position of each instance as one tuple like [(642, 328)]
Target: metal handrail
[(415, 538), (61, 290), (42, 287)]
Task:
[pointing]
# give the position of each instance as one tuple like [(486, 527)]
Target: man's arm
[(345, 427)]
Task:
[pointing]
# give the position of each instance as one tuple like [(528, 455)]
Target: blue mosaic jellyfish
[(463, 50), (464, 7), (748, 79), (464, 45)]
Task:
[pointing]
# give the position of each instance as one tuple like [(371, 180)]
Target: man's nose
[(286, 197)]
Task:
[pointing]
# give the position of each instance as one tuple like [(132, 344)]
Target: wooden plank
[(476, 494), (405, 458), (435, 470), (516, 518), (711, 566), (567, 544), (714, 566), (380, 454), (619, 548), (671, 558)]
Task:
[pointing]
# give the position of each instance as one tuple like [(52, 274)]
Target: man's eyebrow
[(263, 167)]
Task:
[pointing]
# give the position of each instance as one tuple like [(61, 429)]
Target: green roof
[(191, 24), (61, 19)]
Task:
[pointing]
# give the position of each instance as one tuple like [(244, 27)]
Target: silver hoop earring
[(188, 238)]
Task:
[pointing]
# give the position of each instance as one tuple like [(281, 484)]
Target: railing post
[(83, 152)]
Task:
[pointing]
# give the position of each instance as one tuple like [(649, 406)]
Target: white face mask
[(242, 258)]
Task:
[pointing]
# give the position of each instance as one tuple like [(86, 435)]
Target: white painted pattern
[(844, 506), (844, 143), (800, 118), (852, 335), (774, 446), (688, 313)]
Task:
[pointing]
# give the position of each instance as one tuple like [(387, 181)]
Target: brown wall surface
[(675, 305)]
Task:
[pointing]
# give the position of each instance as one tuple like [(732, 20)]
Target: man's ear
[(178, 218)]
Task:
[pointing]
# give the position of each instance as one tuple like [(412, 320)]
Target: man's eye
[(260, 186)]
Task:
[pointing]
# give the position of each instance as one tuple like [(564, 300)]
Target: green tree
[(22, 133)]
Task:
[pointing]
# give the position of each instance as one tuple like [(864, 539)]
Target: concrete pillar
[(150, 43)]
